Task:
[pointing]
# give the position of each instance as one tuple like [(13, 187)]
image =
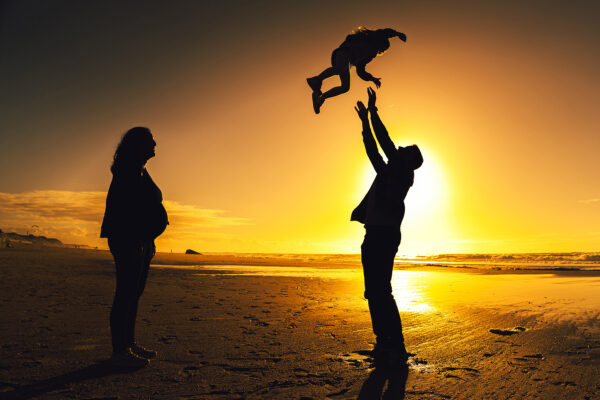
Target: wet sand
[(237, 327)]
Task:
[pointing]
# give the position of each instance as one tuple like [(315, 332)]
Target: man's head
[(412, 156)]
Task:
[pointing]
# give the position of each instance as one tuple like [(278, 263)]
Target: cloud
[(50, 205), (188, 216), (75, 217), (590, 201)]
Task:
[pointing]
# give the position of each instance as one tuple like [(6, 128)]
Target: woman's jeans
[(132, 261), (378, 251)]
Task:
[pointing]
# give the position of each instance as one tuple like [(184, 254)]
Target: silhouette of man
[(381, 211), (359, 48)]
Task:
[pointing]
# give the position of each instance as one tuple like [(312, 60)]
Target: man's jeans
[(377, 254)]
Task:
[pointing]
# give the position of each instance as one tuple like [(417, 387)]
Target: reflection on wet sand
[(301, 331), (557, 296), (409, 289), (293, 272)]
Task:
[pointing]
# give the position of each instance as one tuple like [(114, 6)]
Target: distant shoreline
[(564, 263)]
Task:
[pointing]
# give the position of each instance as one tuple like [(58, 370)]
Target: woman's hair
[(127, 152)]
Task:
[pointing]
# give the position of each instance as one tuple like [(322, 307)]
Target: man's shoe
[(126, 359), (389, 356), (317, 101), (142, 351), (315, 84), (397, 357)]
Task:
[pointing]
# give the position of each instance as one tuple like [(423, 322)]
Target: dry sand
[(297, 333)]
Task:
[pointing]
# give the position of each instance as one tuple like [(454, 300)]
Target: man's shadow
[(373, 387), (97, 370)]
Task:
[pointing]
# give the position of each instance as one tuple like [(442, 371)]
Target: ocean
[(574, 261)]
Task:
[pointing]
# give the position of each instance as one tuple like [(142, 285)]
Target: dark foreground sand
[(286, 335)]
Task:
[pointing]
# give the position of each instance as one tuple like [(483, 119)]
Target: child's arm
[(365, 76)]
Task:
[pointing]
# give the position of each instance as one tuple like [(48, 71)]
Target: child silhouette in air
[(359, 48)]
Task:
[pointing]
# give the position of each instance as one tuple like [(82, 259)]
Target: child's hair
[(360, 33), (361, 29), (378, 38)]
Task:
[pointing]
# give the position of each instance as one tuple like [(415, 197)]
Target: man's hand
[(372, 98), (362, 112), (377, 82), (402, 36)]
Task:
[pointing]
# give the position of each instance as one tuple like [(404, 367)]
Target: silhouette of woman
[(359, 48), (134, 217)]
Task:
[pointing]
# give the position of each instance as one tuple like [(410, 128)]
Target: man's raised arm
[(387, 145), (368, 139)]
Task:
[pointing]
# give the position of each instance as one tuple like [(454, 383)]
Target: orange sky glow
[(502, 100)]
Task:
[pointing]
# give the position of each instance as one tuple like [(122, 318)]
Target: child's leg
[(343, 88), (316, 81), (329, 72), (340, 65), (318, 98), (340, 61)]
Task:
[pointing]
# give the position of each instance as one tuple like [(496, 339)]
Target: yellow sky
[(502, 103)]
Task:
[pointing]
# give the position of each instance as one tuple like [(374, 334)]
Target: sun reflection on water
[(549, 296), (408, 289)]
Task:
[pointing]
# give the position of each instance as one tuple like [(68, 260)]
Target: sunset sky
[(502, 98)]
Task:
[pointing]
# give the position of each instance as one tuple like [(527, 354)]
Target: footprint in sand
[(338, 393), (168, 339), (538, 356), (418, 364), (192, 370), (472, 372), (300, 372), (31, 364), (362, 360), (525, 362), (255, 321), (247, 331), (508, 332), (564, 383)]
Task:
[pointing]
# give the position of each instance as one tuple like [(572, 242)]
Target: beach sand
[(237, 327)]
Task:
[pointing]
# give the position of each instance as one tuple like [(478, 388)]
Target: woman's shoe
[(142, 351), (126, 359)]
